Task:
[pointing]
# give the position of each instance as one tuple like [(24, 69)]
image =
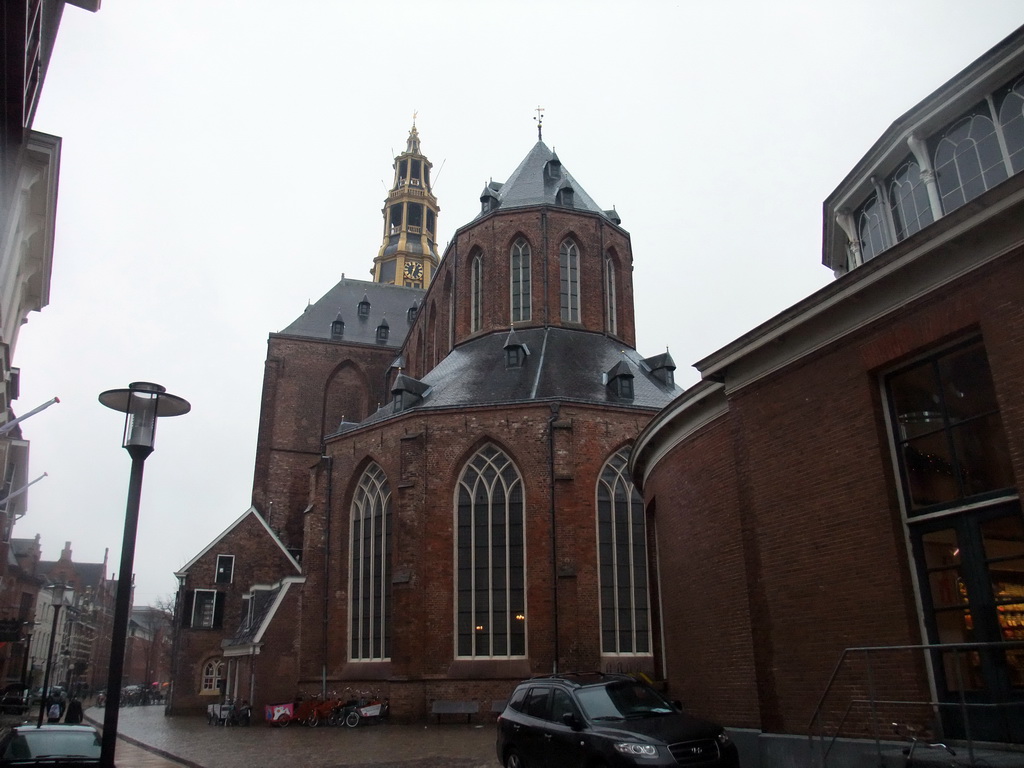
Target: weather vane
[(540, 122), (415, 112)]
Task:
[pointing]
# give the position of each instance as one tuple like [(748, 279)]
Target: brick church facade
[(441, 503)]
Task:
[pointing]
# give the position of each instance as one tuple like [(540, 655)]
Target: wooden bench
[(446, 707)]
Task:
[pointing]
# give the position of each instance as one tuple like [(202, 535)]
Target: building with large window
[(855, 464), (441, 505)]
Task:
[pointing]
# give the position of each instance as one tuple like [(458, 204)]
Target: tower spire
[(408, 253)]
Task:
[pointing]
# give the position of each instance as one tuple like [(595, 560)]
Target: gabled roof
[(250, 511), (342, 302), (537, 181)]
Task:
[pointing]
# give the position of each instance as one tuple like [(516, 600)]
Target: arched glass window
[(370, 569), (1011, 118), (968, 160), (611, 318), (476, 294), (908, 200), (519, 267), (622, 561), (872, 229), (490, 558), (569, 272), (213, 671)]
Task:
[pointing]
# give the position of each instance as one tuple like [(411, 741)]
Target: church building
[(441, 504)]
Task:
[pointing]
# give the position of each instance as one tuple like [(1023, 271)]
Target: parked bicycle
[(918, 743)]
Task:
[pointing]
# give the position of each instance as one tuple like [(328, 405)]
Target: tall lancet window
[(490, 558), (622, 561), (569, 273), (370, 568), (519, 266), (476, 280), (611, 318)]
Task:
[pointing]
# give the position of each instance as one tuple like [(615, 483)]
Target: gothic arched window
[(370, 568), (519, 277), (622, 561), (213, 671), (569, 281), (490, 558), (611, 317), (476, 294)]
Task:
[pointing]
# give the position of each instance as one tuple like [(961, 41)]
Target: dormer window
[(338, 328), (662, 368), (564, 196), (410, 314), (515, 351), (364, 307), (620, 381), (553, 168), (383, 330)]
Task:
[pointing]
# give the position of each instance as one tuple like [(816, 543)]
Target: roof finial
[(540, 122), (414, 113)]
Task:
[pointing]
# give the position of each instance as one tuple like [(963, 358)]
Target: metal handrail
[(873, 702)]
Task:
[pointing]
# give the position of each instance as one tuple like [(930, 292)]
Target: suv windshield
[(621, 700)]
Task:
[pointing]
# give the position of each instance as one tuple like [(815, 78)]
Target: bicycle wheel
[(313, 720), (352, 719)]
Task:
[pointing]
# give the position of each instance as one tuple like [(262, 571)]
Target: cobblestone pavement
[(191, 742)]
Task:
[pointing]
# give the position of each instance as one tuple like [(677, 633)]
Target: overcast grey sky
[(225, 162)]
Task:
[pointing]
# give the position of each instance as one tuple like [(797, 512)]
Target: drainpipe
[(327, 571), (554, 537)]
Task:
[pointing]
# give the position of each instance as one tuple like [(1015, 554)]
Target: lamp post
[(56, 600), (141, 403)]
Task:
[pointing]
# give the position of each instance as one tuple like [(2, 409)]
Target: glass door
[(972, 578)]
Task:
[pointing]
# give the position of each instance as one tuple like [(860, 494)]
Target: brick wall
[(788, 507)]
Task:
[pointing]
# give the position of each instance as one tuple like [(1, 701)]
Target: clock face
[(413, 270)]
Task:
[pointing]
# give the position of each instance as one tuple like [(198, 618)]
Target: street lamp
[(56, 600), (141, 403)]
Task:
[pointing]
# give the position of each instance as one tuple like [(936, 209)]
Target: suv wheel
[(513, 760)]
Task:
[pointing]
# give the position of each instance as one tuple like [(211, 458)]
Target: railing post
[(871, 705), (963, 704)]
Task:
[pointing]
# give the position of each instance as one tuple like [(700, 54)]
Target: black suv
[(604, 720)]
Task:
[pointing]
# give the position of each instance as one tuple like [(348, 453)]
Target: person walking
[(74, 714), (53, 713)]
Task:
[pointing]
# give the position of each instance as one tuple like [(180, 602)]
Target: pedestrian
[(74, 713), (53, 713)]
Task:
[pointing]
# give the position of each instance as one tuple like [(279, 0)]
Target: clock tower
[(408, 254)]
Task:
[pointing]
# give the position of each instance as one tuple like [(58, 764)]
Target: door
[(972, 576)]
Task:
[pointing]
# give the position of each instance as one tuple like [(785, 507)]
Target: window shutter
[(218, 610), (186, 610)]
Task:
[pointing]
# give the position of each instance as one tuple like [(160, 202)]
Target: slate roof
[(386, 301), (263, 603), (534, 182), (562, 364)]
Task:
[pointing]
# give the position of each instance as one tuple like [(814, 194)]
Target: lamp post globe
[(142, 404)]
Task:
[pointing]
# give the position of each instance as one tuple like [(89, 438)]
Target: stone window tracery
[(490, 558), (370, 568), (519, 268), (622, 561), (569, 280)]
